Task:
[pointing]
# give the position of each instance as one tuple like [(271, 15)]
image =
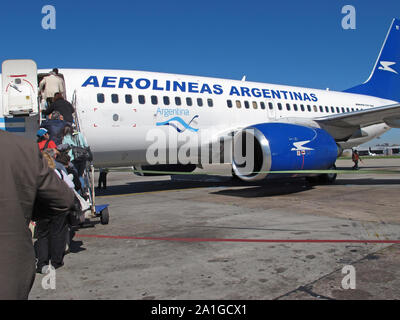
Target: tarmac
[(209, 237)]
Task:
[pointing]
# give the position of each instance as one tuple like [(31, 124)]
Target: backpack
[(82, 154)]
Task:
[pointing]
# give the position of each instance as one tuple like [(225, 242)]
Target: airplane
[(123, 114)]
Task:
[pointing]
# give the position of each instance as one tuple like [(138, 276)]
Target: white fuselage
[(119, 111)]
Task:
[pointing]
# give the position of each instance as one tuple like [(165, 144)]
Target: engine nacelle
[(281, 147)]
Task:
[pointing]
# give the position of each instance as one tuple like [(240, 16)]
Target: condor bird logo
[(175, 120), (385, 66), (299, 146)]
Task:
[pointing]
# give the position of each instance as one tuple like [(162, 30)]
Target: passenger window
[(270, 105), (200, 102), (332, 109), (321, 109), (114, 98), (189, 101), (262, 105), (347, 110), (254, 104), (309, 108), (238, 104), (229, 103), (295, 107), (166, 100), (178, 101), (142, 100), (154, 100), (343, 110), (352, 109), (288, 106), (280, 106), (327, 109), (246, 104), (210, 102), (302, 107), (128, 99), (315, 108), (100, 98), (337, 109)]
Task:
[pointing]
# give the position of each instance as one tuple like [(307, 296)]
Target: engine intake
[(266, 147)]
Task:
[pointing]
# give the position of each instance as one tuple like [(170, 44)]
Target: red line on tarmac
[(234, 240)]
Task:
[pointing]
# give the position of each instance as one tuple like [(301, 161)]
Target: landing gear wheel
[(104, 217), (328, 178)]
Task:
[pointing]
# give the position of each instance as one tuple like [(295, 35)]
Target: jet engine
[(261, 149)]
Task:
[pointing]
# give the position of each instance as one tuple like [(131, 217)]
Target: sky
[(299, 43)]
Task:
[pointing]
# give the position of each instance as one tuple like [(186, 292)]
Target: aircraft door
[(19, 88)]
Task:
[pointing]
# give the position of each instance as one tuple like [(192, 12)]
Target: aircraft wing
[(343, 126)]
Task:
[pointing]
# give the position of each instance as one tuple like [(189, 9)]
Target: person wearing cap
[(43, 140), (50, 85)]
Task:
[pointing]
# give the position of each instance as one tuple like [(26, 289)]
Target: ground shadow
[(250, 189), (367, 182), (75, 246), (264, 188), (271, 189)]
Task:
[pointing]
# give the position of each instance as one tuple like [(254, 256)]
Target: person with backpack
[(44, 141), (76, 141)]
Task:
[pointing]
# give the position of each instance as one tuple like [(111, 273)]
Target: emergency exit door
[(271, 109)]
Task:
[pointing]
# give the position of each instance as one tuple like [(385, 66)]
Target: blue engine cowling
[(281, 147)]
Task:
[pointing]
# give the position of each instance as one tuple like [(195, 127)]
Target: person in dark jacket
[(26, 178), (51, 232), (63, 106), (55, 126)]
